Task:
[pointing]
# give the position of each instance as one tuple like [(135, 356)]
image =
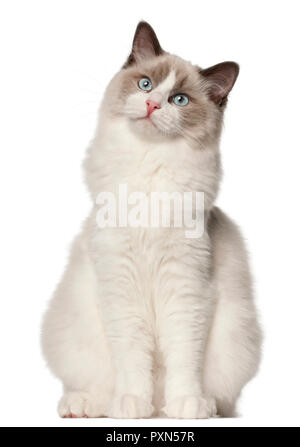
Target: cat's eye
[(145, 84), (180, 100)]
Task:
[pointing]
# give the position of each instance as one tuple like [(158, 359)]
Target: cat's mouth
[(147, 118)]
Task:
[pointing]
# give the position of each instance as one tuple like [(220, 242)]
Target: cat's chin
[(146, 128)]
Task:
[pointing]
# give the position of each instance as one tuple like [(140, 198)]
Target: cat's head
[(163, 95)]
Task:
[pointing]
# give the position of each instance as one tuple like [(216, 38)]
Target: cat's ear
[(221, 79), (145, 44)]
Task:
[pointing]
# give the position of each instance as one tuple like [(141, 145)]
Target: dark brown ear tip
[(230, 65), (144, 24), (236, 65), (233, 65)]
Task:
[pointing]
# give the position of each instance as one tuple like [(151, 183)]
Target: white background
[(56, 59)]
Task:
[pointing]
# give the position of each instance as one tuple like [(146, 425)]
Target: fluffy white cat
[(145, 320)]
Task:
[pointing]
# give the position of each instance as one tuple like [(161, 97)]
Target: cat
[(145, 321)]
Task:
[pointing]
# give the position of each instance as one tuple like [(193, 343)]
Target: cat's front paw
[(80, 405), (190, 407), (129, 406)]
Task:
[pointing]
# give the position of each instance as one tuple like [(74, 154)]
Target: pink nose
[(151, 106)]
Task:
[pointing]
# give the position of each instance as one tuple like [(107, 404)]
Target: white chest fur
[(120, 156)]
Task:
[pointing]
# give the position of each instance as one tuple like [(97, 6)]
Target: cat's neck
[(120, 156)]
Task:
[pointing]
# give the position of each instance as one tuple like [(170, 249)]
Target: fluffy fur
[(146, 321)]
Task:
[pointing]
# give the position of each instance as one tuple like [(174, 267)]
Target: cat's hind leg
[(233, 348), (74, 343)]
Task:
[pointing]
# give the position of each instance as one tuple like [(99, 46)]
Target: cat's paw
[(190, 407), (79, 405), (129, 406)]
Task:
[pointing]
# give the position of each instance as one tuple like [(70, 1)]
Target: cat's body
[(146, 320)]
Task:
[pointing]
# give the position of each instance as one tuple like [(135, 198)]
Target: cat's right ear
[(145, 44)]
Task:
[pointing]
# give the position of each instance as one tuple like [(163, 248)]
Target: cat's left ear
[(221, 79), (145, 44)]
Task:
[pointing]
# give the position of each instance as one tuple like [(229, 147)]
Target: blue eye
[(145, 84), (180, 100)]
